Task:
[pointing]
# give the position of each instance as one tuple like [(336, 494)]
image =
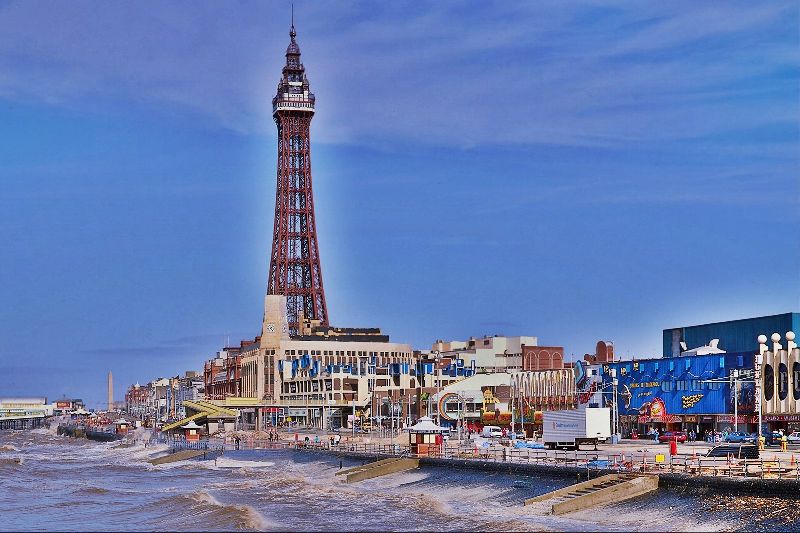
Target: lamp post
[(438, 381), (759, 360), (615, 411), (735, 379), (511, 401)]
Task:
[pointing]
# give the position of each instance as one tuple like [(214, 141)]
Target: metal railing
[(690, 465)]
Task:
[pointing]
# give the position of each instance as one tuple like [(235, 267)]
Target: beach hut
[(191, 431), (425, 436), (121, 426)]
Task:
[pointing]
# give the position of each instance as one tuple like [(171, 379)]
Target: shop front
[(787, 423)]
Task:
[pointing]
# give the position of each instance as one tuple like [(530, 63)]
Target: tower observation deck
[(294, 269)]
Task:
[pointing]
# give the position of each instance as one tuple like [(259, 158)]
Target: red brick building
[(542, 358), (222, 376)]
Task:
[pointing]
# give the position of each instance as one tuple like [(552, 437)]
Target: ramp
[(378, 468), (182, 455), (610, 488)]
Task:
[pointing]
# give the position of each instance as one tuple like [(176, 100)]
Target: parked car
[(794, 437), (668, 436), (740, 436), (491, 432)]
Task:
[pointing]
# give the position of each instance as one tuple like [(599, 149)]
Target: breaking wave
[(205, 510)]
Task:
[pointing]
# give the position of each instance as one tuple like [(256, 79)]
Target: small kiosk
[(425, 436), (191, 431), (121, 426)]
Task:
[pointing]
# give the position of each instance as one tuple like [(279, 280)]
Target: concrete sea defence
[(789, 488)]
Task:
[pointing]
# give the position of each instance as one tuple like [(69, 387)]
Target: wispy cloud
[(598, 74), (163, 348)]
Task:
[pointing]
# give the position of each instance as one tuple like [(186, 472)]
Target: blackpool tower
[(294, 267)]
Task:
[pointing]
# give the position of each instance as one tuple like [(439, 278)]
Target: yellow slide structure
[(202, 409)]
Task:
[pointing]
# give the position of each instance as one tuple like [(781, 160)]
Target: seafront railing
[(690, 465)]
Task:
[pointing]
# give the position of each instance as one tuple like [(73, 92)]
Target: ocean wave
[(92, 490), (205, 509)]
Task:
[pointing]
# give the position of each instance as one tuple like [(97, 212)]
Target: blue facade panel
[(681, 383), (734, 335)]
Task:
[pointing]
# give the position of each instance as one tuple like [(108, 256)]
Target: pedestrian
[(655, 435)]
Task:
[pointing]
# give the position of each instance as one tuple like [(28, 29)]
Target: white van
[(491, 432)]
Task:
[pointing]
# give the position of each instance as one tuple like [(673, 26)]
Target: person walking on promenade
[(655, 435)]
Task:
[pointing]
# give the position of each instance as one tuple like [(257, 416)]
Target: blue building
[(734, 335), (679, 393)]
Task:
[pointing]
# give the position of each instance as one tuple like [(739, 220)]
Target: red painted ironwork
[(295, 269)]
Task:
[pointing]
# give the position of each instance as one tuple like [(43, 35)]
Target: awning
[(426, 425)]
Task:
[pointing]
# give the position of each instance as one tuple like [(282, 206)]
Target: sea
[(56, 483)]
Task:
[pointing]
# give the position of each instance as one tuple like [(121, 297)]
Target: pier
[(31, 422)]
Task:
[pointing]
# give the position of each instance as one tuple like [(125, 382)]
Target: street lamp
[(615, 411), (438, 381), (759, 360), (735, 383)]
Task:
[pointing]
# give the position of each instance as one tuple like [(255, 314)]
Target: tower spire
[(292, 33)]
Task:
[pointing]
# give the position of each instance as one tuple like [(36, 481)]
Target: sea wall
[(784, 488)]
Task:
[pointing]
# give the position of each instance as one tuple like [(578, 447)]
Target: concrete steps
[(606, 489), (378, 468)]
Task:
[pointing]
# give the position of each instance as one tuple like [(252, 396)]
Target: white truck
[(571, 428)]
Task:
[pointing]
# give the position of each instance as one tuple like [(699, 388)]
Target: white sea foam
[(227, 462)]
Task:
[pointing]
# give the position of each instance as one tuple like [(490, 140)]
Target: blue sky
[(574, 171)]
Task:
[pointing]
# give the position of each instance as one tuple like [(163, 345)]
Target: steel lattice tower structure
[(294, 268)]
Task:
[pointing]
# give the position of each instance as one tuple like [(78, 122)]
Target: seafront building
[(709, 379), (684, 393), (779, 376), (24, 413), (734, 335), (162, 399)]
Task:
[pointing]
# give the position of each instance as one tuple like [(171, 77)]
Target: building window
[(666, 386), (796, 380), (783, 381), (695, 384), (769, 382)]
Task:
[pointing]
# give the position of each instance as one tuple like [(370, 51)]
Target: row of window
[(354, 353), (689, 384)]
